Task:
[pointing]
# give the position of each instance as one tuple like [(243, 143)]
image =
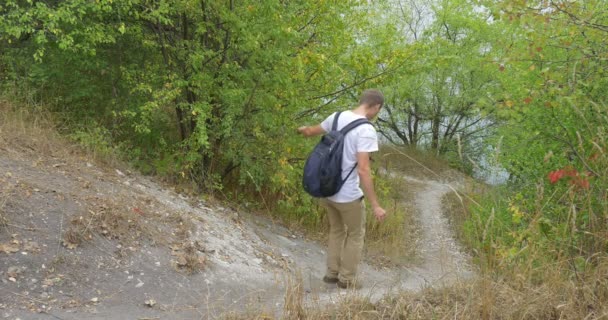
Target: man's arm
[(365, 174), (311, 131)]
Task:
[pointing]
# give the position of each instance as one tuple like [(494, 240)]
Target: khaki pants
[(346, 233)]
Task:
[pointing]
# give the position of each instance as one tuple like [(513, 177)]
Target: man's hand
[(311, 131), (379, 213)]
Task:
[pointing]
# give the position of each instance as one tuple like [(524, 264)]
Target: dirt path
[(443, 259), (249, 259)]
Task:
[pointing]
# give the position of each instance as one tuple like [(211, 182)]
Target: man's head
[(372, 100)]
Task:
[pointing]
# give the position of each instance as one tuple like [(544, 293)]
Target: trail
[(249, 258), (443, 259)]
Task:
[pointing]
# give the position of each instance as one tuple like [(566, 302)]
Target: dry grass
[(30, 130), (6, 190), (294, 299), (555, 298), (3, 199), (487, 297)]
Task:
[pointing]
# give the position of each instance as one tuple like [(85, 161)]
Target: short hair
[(371, 97)]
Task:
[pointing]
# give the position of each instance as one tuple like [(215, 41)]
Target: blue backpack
[(323, 168)]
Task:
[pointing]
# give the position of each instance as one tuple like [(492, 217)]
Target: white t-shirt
[(360, 139)]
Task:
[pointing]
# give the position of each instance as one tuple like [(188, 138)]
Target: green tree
[(206, 91), (441, 99)]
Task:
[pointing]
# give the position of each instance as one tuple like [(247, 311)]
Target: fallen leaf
[(9, 247)]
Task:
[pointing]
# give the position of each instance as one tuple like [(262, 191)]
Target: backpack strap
[(353, 125), (345, 130), (334, 127)]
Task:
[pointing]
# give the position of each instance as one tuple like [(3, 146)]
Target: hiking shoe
[(327, 279), (348, 285)]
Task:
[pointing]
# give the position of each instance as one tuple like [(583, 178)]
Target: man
[(346, 210)]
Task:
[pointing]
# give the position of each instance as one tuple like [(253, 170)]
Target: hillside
[(82, 239)]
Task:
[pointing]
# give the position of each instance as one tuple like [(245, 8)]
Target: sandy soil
[(248, 258)]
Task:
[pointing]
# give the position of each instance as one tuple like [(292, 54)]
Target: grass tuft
[(294, 298)]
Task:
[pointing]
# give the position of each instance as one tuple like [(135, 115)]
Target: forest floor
[(80, 240)]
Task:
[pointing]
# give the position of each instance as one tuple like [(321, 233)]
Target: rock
[(150, 303)]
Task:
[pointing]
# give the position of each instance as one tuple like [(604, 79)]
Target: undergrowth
[(30, 129)]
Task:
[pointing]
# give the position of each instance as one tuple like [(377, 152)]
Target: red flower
[(576, 178), (555, 176)]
